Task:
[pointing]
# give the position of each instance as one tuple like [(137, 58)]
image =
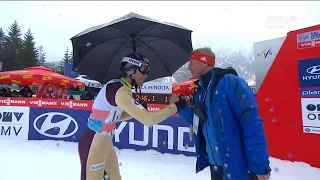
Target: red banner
[(46, 103)]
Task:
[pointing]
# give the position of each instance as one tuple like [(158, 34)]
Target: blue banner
[(57, 124), (68, 71), (309, 72), (170, 136)]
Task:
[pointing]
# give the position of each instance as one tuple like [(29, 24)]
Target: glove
[(266, 175), (181, 103)]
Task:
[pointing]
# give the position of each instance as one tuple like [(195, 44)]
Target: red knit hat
[(197, 56)]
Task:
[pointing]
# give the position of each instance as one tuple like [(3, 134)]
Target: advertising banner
[(309, 72), (156, 87), (66, 120), (311, 115), (47, 103), (14, 122), (308, 39), (57, 124), (170, 136)]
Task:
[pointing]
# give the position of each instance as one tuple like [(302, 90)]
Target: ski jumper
[(113, 103)]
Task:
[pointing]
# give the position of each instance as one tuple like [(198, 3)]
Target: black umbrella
[(97, 51)]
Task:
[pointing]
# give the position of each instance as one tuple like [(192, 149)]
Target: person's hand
[(181, 103), (264, 177), (174, 98)]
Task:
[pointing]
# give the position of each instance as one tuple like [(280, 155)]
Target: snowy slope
[(51, 160)]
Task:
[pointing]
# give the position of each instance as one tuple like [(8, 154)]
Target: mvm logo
[(265, 53)]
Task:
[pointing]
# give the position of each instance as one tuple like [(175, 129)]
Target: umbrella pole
[(134, 45)]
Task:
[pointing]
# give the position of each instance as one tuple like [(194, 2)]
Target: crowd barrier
[(42, 119)]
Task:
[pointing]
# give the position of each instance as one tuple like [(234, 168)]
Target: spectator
[(50, 92), (87, 95), (3, 92), (14, 93), (71, 97)]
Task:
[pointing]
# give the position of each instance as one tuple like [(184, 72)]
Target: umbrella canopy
[(97, 51), (35, 75), (185, 88)]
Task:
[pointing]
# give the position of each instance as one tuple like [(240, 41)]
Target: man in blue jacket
[(228, 132)]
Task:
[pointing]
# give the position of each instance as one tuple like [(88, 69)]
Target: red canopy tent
[(38, 74)]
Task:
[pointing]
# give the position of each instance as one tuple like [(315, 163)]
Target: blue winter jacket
[(233, 131)]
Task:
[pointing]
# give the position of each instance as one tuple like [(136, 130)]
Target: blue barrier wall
[(170, 136)]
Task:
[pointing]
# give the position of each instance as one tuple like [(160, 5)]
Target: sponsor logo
[(13, 101), (176, 88), (309, 72), (156, 87), (175, 141), (46, 78), (27, 77), (135, 62), (315, 35), (310, 92), (76, 104), (308, 39), (48, 124), (14, 122), (304, 38), (97, 166), (4, 76), (314, 69), (307, 129), (265, 53), (312, 130), (313, 112), (94, 84), (15, 81), (310, 112), (135, 102)]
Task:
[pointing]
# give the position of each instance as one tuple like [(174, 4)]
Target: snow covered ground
[(52, 160)]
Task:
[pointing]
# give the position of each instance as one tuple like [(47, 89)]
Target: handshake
[(178, 100)]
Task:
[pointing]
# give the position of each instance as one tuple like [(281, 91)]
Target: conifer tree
[(28, 54), (12, 46), (2, 36), (41, 58)]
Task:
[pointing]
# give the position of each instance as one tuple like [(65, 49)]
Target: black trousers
[(217, 173)]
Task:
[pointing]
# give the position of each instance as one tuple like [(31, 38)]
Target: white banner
[(14, 122), (156, 87), (310, 108)]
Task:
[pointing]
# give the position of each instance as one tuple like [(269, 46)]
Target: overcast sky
[(216, 24)]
